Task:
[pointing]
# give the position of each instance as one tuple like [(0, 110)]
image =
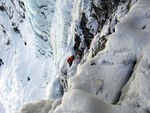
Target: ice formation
[(81, 56)]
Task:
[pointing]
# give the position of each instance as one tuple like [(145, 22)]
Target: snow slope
[(29, 52), (116, 80), (25, 68)]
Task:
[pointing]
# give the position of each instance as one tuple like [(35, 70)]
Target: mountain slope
[(92, 55), (122, 67)]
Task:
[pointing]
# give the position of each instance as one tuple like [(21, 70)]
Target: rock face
[(85, 56)]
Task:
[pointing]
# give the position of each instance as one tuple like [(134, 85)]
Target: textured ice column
[(60, 27)]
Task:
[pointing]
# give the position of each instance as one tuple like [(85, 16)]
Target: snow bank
[(42, 106), (73, 102)]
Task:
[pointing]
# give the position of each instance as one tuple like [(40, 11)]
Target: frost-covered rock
[(55, 89)]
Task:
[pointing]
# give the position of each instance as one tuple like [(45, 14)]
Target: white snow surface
[(116, 80), (25, 73), (21, 64)]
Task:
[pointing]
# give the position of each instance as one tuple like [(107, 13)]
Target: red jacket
[(70, 59)]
